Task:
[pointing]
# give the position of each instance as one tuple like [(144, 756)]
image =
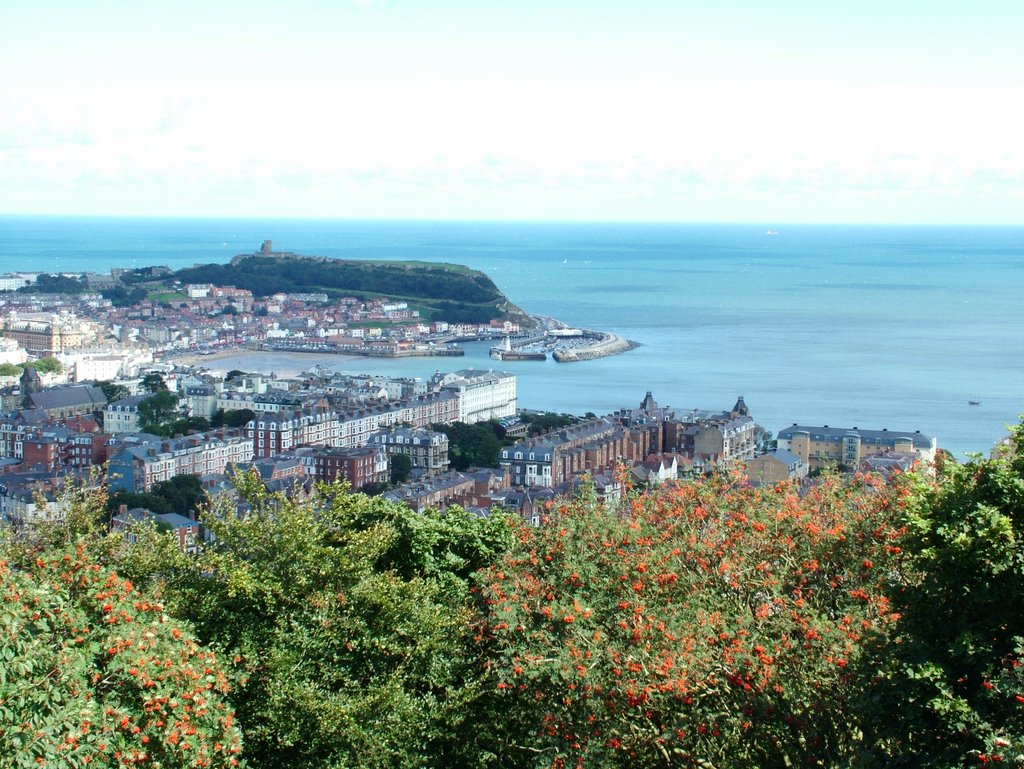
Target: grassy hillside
[(442, 291)]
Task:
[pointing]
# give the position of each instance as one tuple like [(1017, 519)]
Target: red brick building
[(359, 466)]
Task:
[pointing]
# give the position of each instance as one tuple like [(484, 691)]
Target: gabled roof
[(786, 457), (63, 397), (176, 520)]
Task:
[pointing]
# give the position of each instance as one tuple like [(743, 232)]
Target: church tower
[(30, 385)]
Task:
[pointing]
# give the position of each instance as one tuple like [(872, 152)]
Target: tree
[(55, 284), (153, 383), (470, 445), (157, 411), (764, 440), (547, 421), (238, 417), (951, 691), (348, 619), (113, 392), (48, 366), (132, 500), (185, 425), (11, 369), (94, 672), (184, 494), (120, 296), (401, 466), (704, 625)]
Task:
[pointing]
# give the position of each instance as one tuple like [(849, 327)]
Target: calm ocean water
[(893, 327)]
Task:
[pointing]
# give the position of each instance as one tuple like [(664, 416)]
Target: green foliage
[(855, 623), (217, 420), (347, 618), (185, 425), (238, 417), (158, 412), (470, 445), (113, 392), (951, 691), (55, 284), (703, 625), (448, 292), (133, 499), (92, 671), (166, 297), (183, 494), (120, 296), (232, 418), (42, 365), (153, 383), (401, 466), (547, 421), (764, 440), (47, 366)]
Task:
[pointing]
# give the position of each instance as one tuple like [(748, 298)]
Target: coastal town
[(91, 384), (151, 313), (488, 385)]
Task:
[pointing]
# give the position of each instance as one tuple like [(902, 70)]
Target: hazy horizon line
[(433, 220)]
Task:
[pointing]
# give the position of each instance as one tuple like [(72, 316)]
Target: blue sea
[(868, 326)]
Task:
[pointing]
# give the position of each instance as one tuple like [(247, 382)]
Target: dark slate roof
[(826, 433), (62, 397)]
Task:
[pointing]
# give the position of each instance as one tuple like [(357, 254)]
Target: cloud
[(479, 144)]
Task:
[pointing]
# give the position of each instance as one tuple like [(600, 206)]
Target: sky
[(902, 111)]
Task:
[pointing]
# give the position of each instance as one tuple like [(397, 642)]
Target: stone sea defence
[(595, 344)]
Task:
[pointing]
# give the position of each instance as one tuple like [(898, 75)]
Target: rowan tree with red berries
[(709, 624), (93, 672)]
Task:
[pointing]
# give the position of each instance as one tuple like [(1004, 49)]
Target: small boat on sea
[(973, 403)]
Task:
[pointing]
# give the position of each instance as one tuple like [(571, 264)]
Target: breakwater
[(597, 344)]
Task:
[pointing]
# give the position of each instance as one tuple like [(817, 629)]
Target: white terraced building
[(482, 395)]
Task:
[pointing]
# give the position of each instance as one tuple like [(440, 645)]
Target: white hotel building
[(482, 395)]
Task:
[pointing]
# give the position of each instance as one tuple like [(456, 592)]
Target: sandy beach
[(280, 363)]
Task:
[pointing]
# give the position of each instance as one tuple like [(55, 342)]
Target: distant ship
[(973, 403), (771, 232)]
